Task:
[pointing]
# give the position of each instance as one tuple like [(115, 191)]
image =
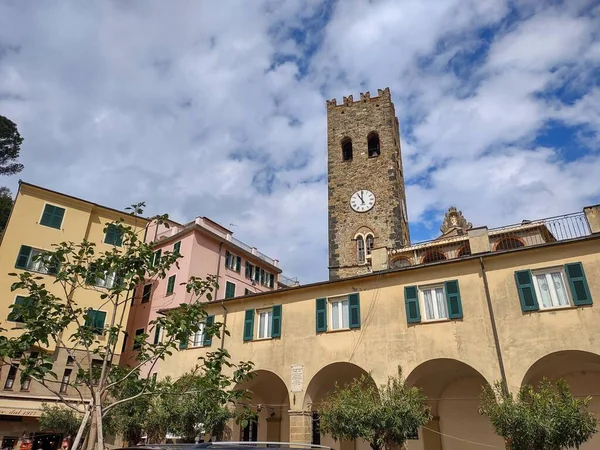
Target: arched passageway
[(453, 389), (322, 384), (269, 398), (581, 370)]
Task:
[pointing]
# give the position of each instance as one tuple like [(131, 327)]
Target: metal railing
[(241, 244), (287, 281)]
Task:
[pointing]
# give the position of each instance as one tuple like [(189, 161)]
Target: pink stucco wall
[(203, 253)]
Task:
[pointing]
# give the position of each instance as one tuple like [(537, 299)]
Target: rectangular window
[(247, 291), (271, 280), (52, 216), (114, 235), (95, 319), (136, 343), (156, 257), (229, 290), (264, 323), (157, 336), (70, 360), (146, 293), (31, 259), (249, 270), (124, 346), (26, 383), (550, 288), (107, 281), (10, 378), (198, 336), (433, 302), (340, 314), (171, 285), (177, 247), (64, 384), (14, 315)]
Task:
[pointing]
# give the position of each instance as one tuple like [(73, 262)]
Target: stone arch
[(346, 144), (509, 243), (321, 384), (373, 144), (400, 262), (580, 369), (453, 389), (269, 397), (433, 256)]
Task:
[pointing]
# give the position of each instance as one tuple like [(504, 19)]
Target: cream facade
[(39, 219), (499, 325)]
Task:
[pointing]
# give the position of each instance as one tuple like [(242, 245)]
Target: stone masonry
[(381, 174)]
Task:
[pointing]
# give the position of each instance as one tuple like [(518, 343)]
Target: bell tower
[(367, 200)]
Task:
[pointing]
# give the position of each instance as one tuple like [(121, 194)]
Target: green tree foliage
[(548, 417), (10, 146), (6, 203), (48, 317), (384, 418), (59, 419)]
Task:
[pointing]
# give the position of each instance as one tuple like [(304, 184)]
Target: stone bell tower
[(367, 200)]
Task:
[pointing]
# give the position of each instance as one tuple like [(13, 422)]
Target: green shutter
[(207, 342), (171, 285), (177, 247), (113, 236), (14, 315), (99, 319), (271, 280), (354, 306), (95, 319), (453, 299), (579, 286), (23, 257), (227, 259), (156, 257), (321, 315), (411, 301), (157, 334), (229, 290), (248, 271), (238, 264), (276, 322), (52, 216), (526, 290), (184, 341), (249, 325), (147, 292)]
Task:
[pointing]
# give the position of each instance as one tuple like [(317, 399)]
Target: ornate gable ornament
[(454, 219)]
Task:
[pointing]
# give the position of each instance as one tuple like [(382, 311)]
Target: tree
[(6, 203), (59, 420), (114, 274), (384, 418), (546, 418), (10, 146)]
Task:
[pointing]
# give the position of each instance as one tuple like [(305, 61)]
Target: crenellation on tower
[(366, 184)]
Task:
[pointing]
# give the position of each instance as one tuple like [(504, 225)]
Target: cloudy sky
[(218, 108)]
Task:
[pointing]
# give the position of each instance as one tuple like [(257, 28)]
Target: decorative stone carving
[(454, 219)]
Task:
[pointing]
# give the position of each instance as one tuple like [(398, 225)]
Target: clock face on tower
[(362, 201)]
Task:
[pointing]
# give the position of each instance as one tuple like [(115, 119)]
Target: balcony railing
[(287, 281)]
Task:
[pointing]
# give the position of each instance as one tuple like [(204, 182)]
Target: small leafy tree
[(59, 419), (48, 318), (384, 418), (6, 204), (10, 146), (548, 417)]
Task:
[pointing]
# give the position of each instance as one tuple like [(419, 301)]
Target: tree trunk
[(93, 433), (77, 440), (100, 431)]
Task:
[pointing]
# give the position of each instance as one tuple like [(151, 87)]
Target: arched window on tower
[(373, 144), (370, 242), (347, 149), (360, 249)]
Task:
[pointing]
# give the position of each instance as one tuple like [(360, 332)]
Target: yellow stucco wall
[(449, 359)]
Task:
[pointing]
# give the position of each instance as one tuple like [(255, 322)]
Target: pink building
[(207, 248)]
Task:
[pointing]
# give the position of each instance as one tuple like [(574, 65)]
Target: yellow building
[(515, 314), (39, 219)]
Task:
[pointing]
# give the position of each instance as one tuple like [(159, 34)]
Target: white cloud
[(221, 112)]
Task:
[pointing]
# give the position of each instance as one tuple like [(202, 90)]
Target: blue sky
[(218, 108)]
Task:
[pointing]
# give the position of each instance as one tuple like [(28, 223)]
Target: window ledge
[(341, 330), (555, 308), (424, 322)]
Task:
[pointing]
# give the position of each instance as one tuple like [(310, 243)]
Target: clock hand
[(361, 198)]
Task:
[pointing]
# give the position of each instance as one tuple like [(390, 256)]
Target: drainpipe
[(494, 328), (222, 302)]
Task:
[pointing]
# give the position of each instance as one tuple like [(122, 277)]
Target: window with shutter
[(276, 322), (95, 319), (238, 264), (249, 325), (578, 283), (229, 289), (177, 247), (354, 310), (526, 289), (137, 344), (171, 284), (156, 257), (207, 341), (411, 301), (157, 334), (321, 315), (14, 315), (453, 299), (146, 293), (52, 216), (114, 235)]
